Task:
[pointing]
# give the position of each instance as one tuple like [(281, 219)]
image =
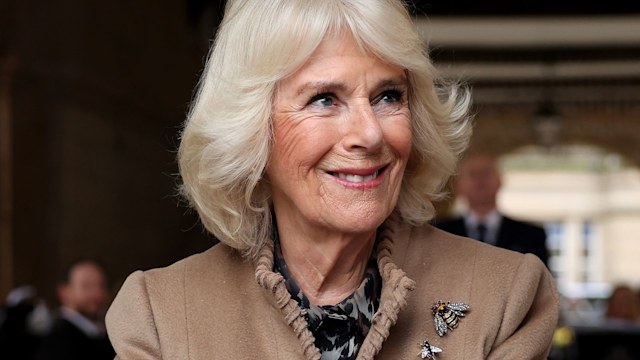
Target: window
[(556, 244)]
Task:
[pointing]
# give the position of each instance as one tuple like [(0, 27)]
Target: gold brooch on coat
[(447, 315)]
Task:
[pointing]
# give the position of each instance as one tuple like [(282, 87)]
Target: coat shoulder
[(439, 246), (432, 253), (151, 314), (507, 292), (212, 260)]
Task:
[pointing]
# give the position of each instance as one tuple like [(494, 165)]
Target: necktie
[(482, 232)]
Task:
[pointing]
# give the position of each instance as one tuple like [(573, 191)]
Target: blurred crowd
[(612, 334), (31, 330), (624, 306)]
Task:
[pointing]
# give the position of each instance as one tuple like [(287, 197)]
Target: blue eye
[(391, 96), (324, 99)]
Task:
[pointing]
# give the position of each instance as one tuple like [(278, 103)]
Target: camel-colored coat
[(216, 305)]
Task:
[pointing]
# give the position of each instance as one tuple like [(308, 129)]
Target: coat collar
[(395, 292)]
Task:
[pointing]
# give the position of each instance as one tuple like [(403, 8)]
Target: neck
[(72, 310), (482, 211), (327, 266)]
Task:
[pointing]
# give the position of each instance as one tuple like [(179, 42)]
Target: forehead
[(330, 57), (85, 270), (340, 44), (479, 162)]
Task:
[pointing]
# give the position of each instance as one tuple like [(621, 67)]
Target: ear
[(456, 186)]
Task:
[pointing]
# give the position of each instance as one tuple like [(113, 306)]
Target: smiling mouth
[(357, 178)]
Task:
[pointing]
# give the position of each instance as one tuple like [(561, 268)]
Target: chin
[(359, 224)]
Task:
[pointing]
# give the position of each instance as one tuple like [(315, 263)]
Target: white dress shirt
[(492, 222), (85, 325)]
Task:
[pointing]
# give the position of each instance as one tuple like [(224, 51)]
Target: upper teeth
[(357, 178)]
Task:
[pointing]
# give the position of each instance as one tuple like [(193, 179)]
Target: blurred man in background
[(24, 320), (478, 182), (79, 331)]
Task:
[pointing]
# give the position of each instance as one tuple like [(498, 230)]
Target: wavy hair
[(227, 138)]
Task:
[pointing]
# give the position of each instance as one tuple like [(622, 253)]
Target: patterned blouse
[(340, 329)]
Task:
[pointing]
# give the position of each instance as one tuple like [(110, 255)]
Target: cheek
[(298, 144), (398, 136)]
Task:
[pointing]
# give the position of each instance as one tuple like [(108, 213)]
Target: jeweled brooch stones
[(428, 351), (446, 315)]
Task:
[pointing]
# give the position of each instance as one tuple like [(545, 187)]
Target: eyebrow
[(319, 86), (390, 82)]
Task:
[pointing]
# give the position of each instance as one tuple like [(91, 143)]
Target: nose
[(362, 130)]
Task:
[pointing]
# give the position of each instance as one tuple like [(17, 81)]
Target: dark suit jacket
[(512, 234), (67, 342), (16, 341)]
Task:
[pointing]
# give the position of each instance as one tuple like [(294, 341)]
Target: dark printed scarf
[(340, 329)]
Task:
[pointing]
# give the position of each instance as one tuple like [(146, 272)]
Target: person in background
[(623, 305), (78, 332), (314, 149), (24, 320), (478, 181)]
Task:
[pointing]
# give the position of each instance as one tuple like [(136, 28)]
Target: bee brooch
[(446, 315), (428, 351)]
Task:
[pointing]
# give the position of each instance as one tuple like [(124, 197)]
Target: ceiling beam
[(542, 31)]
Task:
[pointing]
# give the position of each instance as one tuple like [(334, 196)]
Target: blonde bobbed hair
[(227, 139)]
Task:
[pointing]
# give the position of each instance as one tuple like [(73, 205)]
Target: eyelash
[(321, 95), (394, 92)]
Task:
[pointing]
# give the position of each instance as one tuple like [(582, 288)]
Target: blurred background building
[(93, 94), (557, 97)]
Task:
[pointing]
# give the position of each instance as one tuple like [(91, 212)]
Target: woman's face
[(342, 133)]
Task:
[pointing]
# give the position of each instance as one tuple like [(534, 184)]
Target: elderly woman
[(316, 145)]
